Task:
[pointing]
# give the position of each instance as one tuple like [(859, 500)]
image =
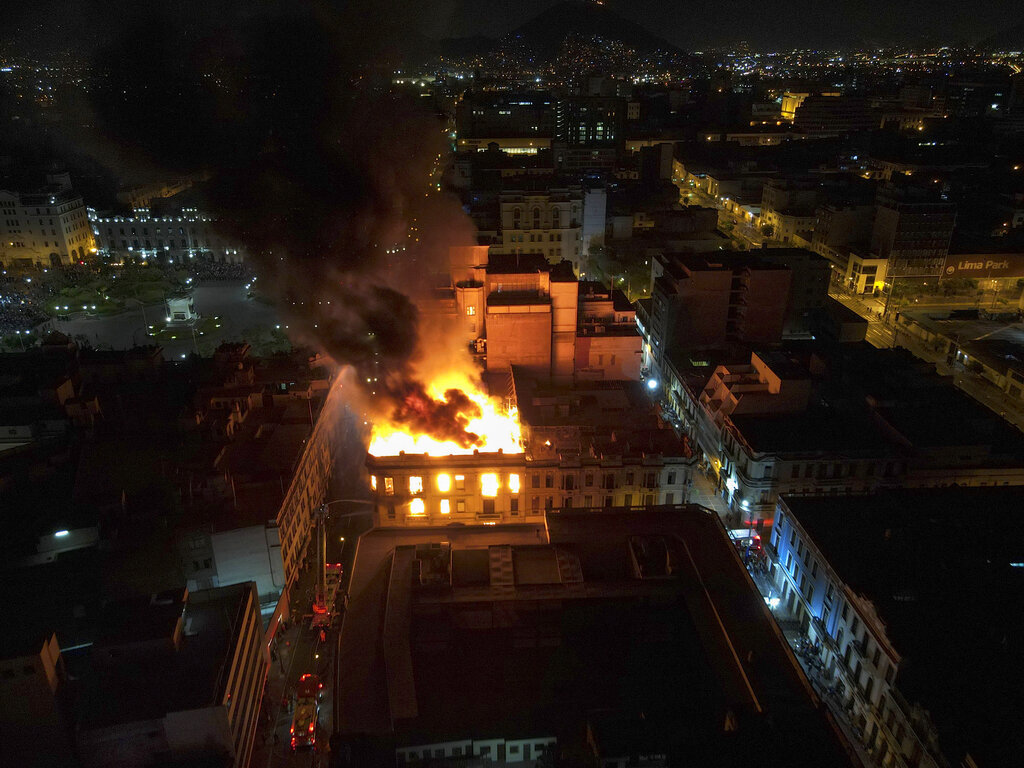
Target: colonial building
[(901, 596), (48, 228)]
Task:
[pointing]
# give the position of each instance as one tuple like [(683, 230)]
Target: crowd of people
[(201, 269)]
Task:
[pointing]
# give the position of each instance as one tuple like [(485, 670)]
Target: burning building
[(541, 448)]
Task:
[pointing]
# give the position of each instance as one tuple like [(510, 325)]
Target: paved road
[(224, 299)]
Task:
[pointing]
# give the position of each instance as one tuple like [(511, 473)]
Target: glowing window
[(444, 483), (489, 484), (373, 482), (417, 507), (389, 486), (415, 484), (513, 483), (460, 482), (446, 506), (470, 311)]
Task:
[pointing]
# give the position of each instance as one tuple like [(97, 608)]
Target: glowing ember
[(489, 427)]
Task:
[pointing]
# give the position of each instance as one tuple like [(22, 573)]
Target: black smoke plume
[(314, 164)]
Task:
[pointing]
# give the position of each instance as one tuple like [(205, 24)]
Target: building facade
[(45, 229), (547, 221), (496, 488), (187, 235)]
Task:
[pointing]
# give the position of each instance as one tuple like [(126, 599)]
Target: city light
[(652, 384), (61, 534)]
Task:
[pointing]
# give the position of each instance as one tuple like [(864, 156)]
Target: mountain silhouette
[(546, 32)]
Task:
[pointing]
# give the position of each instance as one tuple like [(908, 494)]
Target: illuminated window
[(446, 506), (460, 505), (489, 484), (389, 486), (417, 507), (471, 311), (415, 484), (460, 482), (373, 482), (513, 483), (444, 483)]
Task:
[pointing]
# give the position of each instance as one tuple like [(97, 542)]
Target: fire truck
[(328, 578), (307, 709)]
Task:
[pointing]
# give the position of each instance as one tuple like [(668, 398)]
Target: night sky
[(690, 24)]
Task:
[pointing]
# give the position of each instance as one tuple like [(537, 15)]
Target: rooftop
[(545, 632), (128, 685), (940, 560)]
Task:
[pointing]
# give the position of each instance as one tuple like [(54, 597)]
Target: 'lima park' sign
[(982, 265)]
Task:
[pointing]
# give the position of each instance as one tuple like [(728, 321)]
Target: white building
[(546, 221), (188, 234), (45, 229)]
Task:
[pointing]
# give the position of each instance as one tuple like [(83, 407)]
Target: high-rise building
[(708, 299), (912, 231), (588, 132)]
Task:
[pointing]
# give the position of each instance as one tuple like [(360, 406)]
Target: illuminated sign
[(984, 265)]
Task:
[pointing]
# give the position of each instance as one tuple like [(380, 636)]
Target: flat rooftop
[(938, 564), (532, 629), (147, 682)]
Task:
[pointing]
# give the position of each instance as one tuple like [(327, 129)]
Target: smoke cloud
[(318, 168)]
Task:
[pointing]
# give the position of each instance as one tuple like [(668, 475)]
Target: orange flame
[(497, 427)]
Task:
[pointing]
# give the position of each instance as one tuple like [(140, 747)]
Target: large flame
[(495, 427)]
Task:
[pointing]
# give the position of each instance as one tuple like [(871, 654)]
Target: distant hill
[(545, 33)]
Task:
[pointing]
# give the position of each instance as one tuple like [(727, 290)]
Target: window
[(446, 507), (389, 486), (373, 482), (846, 610), (549, 480), (670, 498), (460, 482), (489, 484), (568, 482), (444, 483), (629, 478), (460, 505), (535, 480), (649, 481), (628, 501), (588, 501), (513, 483), (588, 479), (513, 505), (470, 311), (671, 479), (609, 481), (535, 503), (415, 484), (549, 503), (417, 508)]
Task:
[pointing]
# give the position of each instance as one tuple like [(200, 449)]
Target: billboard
[(984, 265)]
